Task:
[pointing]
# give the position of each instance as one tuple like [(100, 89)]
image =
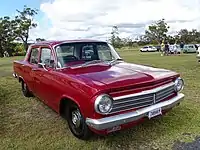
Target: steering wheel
[(70, 58)]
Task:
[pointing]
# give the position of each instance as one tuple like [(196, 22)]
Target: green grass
[(26, 123)]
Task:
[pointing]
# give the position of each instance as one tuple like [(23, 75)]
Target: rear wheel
[(76, 122), (25, 90)]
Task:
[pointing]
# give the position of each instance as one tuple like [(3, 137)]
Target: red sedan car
[(88, 83)]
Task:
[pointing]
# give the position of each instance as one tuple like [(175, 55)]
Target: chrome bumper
[(112, 121)]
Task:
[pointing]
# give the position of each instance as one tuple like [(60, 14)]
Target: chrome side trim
[(116, 120), (155, 90)]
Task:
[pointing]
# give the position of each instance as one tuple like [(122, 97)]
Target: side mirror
[(42, 65)]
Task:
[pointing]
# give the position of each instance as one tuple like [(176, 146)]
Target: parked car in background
[(190, 48), (158, 47), (198, 54), (174, 49), (148, 49), (90, 86)]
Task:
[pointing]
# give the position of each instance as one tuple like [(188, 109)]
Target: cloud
[(95, 18), (131, 25)]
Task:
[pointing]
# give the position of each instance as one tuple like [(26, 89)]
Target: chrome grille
[(142, 99), (161, 95)]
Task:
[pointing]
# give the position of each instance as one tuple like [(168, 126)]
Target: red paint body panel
[(84, 84)]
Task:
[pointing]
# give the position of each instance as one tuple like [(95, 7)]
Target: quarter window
[(34, 56)]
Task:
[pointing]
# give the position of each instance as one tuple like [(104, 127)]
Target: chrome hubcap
[(24, 87), (76, 118)]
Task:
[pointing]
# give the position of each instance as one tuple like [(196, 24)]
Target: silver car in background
[(174, 49)]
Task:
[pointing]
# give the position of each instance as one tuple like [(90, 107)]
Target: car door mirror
[(42, 65)]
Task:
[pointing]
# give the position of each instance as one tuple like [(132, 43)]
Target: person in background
[(162, 48), (175, 48), (166, 49), (196, 46), (182, 46)]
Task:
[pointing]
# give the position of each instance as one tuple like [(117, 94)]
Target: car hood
[(121, 74)]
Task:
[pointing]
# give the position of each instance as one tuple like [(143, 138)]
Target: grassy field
[(26, 123)]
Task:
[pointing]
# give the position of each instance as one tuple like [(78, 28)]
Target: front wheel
[(76, 122), (25, 90)]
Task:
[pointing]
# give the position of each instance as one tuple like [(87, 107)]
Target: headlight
[(103, 104), (179, 84)]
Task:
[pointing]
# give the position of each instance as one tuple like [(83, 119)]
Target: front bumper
[(112, 121)]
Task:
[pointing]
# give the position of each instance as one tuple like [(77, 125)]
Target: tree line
[(155, 34)]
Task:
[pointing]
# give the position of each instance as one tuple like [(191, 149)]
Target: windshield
[(69, 54)]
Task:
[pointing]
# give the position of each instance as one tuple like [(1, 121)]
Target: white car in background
[(198, 54), (174, 49), (148, 49)]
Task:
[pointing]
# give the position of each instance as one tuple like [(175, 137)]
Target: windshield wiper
[(91, 62), (114, 61)]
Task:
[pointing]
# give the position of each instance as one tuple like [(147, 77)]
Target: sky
[(93, 19)]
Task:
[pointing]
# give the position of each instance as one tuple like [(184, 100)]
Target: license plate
[(155, 112)]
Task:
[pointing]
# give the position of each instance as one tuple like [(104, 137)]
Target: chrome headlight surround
[(178, 84), (103, 104)]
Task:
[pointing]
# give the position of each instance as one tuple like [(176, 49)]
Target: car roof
[(56, 42)]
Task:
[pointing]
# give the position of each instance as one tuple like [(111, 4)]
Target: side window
[(46, 57), (34, 56), (104, 52)]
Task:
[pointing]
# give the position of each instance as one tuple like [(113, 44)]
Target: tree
[(7, 35), (143, 40), (114, 35), (157, 31), (115, 40), (25, 22), (187, 37), (40, 39), (184, 35), (171, 39)]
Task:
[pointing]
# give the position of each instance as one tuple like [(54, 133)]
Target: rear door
[(29, 68)]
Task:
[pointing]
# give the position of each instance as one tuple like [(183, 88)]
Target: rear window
[(190, 46), (87, 52), (34, 56)]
